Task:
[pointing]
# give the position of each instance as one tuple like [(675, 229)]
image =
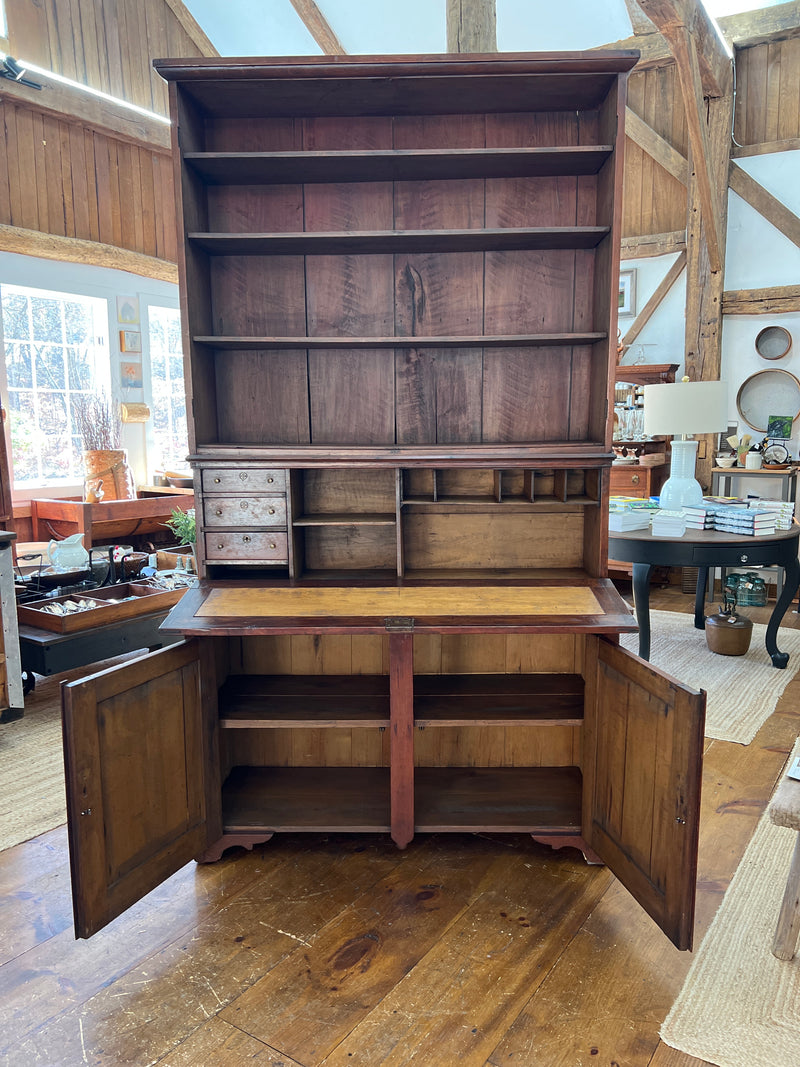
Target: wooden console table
[(105, 523)]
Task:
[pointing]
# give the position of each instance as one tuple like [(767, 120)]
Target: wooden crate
[(146, 600)]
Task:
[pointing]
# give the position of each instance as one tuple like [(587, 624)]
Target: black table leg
[(700, 598), (791, 581), (641, 602)]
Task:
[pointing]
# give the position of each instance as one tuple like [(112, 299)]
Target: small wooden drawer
[(630, 481), (248, 547), (244, 511), (243, 479)]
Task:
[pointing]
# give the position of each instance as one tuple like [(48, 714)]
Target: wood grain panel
[(492, 540), (262, 397), (526, 394), (438, 391), (350, 295)]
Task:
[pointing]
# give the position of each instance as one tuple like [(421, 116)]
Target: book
[(619, 521)]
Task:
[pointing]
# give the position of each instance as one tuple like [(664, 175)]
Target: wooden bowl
[(775, 466)]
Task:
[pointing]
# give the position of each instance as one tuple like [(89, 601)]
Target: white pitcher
[(69, 554)]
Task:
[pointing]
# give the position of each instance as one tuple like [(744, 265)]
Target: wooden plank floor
[(478, 950)]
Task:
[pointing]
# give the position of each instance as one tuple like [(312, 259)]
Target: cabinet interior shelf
[(356, 799), (352, 518), (313, 799), (342, 701), (457, 503), (498, 799), (251, 168), (370, 242), (541, 340)]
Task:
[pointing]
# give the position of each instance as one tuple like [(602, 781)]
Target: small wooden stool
[(784, 810)]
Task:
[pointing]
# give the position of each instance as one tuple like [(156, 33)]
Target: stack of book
[(669, 523), (630, 513), (700, 516), (619, 521), (783, 510), (750, 522)]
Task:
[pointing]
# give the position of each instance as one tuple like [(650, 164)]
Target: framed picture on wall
[(626, 300)]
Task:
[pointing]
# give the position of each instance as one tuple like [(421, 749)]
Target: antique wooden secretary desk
[(398, 281)]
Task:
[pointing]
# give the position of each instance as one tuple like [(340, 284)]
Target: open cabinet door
[(143, 793), (642, 770)]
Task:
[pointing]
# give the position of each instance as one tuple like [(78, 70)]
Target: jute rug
[(739, 1006), (32, 793), (742, 690), (32, 797)]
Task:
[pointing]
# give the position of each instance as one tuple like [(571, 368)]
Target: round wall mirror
[(773, 342), (767, 393)]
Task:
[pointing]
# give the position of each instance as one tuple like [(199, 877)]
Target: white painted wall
[(106, 284)]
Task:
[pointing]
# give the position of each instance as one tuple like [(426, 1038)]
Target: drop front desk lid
[(512, 605)]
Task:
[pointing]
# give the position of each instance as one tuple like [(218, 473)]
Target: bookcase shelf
[(251, 168), (355, 242)]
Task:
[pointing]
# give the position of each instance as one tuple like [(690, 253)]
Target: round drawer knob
[(271, 511), (247, 539), (635, 479), (218, 511), (270, 480), (743, 558), (272, 544), (217, 481), (220, 546)]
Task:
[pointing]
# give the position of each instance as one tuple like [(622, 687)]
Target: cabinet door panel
[(142, 795), (642, 767)]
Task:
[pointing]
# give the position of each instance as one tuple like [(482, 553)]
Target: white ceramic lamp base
[(681, 487)]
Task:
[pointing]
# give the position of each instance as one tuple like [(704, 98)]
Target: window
[(56, 351), (170, 430)]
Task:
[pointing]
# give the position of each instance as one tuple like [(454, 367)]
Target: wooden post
[(401, 712), (706, 77), (471, 26)]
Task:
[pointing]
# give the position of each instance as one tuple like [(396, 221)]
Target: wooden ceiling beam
[(762, 201), (775, 300), (77, 250), (319, 27), (656, 146), (192, 28), (641, 24), (648, 245), (680, 18), (741, 31), (471, 26), (73, 105), (649, 309)]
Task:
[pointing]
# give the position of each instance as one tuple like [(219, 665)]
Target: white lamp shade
[(685, 408)]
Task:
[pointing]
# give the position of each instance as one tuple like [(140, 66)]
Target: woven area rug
[(739, 1006), (742, 690), (32, 793), (32, 797)]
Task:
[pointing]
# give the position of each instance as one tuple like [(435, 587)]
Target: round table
[(704, 549)]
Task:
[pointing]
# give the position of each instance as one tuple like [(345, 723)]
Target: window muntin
[(56, 351)]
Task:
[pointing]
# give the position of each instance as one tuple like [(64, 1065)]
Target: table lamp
[(683, 408)]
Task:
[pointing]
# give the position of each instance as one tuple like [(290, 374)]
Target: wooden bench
[(784, 810)]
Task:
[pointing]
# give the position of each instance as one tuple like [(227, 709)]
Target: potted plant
[(184, 526)]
